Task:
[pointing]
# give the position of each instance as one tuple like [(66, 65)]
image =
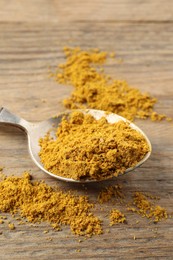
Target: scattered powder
[(147, 209), (39, 202), (93, 88), (21, 223), (151, 196), (49, 238), (143, 206), (110, 192), (11, 226), (56, 226), (86, 148), (116, 217)]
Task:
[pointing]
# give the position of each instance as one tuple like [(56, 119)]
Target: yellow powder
[(95, 89), (110, 192), (116, 217), (86, 148), (11, 226), (39, 202), (147, 209), (142, 205)]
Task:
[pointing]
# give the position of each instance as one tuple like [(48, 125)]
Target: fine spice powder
[(116, 217), (146, 208), (38, 202), (141, 204), (94, 155), (86, 148), (93, 88)]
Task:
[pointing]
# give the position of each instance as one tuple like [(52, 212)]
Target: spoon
[(35, 131)]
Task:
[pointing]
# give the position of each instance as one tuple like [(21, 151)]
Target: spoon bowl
[(35, 131)]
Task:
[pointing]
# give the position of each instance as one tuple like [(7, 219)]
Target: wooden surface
[(32, 34)]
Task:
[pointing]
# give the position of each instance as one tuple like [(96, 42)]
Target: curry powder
[(147, 209), (140, 204), (116, 217), (38, 202), (86, 148), (93, 88)]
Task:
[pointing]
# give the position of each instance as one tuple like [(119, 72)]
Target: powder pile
[(116, 217), (93, 88), (86, 148), (147, 209), (38, 202)]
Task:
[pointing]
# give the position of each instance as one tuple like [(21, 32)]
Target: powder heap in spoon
[(86, 148)]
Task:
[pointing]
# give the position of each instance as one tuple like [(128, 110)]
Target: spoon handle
[(6, 117)]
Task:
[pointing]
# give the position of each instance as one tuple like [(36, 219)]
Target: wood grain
[(50, 11), (32, 34)]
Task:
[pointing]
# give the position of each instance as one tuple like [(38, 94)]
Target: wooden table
[(32, 34)]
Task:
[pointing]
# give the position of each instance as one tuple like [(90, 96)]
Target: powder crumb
[(131, 209), (56, 226), (116, 217), (112, 55), (1, 221), (21, 223), (11, 226), (159, 213), (78, 250), (45, 231), (110, 192), (150, 196), (134, 237), (49, 238), (157, 117), (17, 218), (169, 119), (3, 217)]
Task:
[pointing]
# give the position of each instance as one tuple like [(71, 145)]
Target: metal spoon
[(36, 130)]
